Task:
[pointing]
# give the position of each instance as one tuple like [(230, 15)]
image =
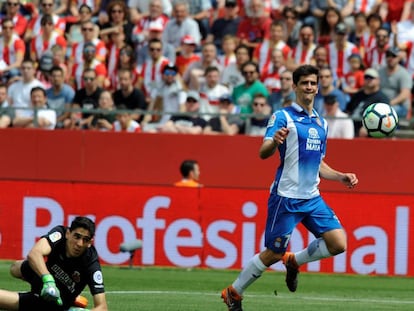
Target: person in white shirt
[(19, 91), (339, 123), (40, 116)]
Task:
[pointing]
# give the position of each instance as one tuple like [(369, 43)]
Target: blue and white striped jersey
[(302, 152)]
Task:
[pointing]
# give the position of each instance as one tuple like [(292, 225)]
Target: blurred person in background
[(12, 52), (180, 25), (232, 75), (13, 12), (244, 93), (276, 99), (190, 172), (103, 121), (339, 123), (125, 122), (228, 122), (188, 123), (60, 95), (257, 124), (6, 114), (19, 92), (40, 116)]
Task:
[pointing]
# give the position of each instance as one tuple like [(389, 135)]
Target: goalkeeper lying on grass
[(58, 268)]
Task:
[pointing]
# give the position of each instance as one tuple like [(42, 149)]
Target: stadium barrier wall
[(124, 182)]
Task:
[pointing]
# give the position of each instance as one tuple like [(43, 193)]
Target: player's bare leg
[(9, 300), (15, 269)]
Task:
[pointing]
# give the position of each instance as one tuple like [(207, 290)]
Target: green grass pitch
[(173, 289)]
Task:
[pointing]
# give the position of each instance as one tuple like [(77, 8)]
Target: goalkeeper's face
[(77, 241)]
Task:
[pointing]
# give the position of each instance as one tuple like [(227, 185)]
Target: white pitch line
[(336, 299)]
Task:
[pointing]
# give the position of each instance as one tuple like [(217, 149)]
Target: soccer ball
[(380, 120)]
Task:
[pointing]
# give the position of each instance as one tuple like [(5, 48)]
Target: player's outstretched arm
[(348, 179), (36, 256), (99, 302), (269, 146)]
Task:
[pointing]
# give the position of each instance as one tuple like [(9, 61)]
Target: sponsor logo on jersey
[(313, 141)]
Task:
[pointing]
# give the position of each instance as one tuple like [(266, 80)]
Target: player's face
[(77, 241), (306, 89)]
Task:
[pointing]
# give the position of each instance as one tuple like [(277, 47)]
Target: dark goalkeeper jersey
[(71, 274)]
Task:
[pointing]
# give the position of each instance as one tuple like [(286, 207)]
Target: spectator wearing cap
[(339, 123), (396, 82), (340, 49), (226, 25), (181, 25), (141, 11), (277, 99), (228, 122), (211, 90), (169, 98), (186, 55), (375, 57), (155, 31), (243, 94), (254, 28), (354, 79), (47, 38), (12, 51), (327, 87), (89, 62), (150, 77), (369, 94), (194, 75), (189, 122)]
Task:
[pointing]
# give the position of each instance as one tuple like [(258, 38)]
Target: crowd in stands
[(200, 66)]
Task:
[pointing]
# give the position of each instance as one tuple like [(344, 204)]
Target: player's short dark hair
[(186, 167), (305, 70), (211, 69), (83, 222), (57, 68)]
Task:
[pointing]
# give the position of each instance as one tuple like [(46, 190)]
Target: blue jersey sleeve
[(276, 121)]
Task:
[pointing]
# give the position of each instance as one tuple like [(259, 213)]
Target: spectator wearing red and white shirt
[(155, 15), (12, 12), (228, 46), (34, 27), (303, 52), (47, 38), (12, 50), (125, 122), (271, 74), (254, 28), (263, 52), (366, 6), (210, 92), (186, 55), (116, 42), (89, 62), (89, 36), (375, 57), (339, 50), (151, 72)]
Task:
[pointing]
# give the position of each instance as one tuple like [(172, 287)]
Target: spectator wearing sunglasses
[(243, 94), (13, 13), (257, 124)]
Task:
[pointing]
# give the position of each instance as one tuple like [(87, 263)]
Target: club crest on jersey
[(55, 236), (76, 276), (313, 142), (272, 120)]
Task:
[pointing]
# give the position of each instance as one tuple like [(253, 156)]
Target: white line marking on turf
[(336, 299)]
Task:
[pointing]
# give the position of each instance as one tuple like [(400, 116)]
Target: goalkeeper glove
[(50, 292)]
